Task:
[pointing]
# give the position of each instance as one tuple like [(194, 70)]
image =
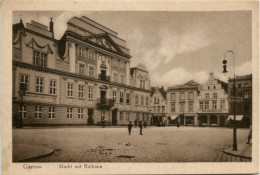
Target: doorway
[(103, 96), (90, 116), (114, 117)]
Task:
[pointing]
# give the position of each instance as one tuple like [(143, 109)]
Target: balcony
[(105, 103), (103, 77)]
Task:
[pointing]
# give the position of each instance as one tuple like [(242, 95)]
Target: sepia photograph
[(146, 89)]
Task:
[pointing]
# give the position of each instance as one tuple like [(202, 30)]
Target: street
[(113, 144)]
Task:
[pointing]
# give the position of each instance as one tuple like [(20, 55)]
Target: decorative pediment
[(32, 44)]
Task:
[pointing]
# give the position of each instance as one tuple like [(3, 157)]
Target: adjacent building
[(82, 78)]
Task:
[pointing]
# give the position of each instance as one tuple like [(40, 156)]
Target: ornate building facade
[(80, 79)]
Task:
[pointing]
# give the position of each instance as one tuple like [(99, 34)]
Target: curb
[(36, 157), (236, 155)]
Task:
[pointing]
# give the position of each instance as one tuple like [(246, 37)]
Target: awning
[(238, 117), (173, 117)]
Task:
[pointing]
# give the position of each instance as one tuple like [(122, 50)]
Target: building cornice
[(81, 77)]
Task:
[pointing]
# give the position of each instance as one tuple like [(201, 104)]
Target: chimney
[(51, 28)]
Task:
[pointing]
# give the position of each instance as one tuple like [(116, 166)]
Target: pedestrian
[(249, 135), (141, 127), (178, 124), (145, 124), (135, 123), (130, 127)]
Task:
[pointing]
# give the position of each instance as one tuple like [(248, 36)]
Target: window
[(70, 90), (208, 87), (127, 116), (24, 82), (142, 84), (207, 95), (39, 59), (172, 107), (201, 104), (246, 95), (214, 104), (81, 51), (136, 100), (190, 106), (182, 96), (115, 77), (121, 97), (69, 112), (90, 92), (173, 96), (81, 91), (114, 95), (163, 109), (190, 95), (214, 87), (115, 62), (51, 112), (142, 100), (80, 113), (181, 107), (206, 105), (24, 112), (222, 104), (215, 95), (39, 84), (127, 98), (38, 112), (53, 87), (121, 115), (239, 85), (122, 79), (158, 109), (91, 55), (81, 68), (146, 101), (103, 114), (246, 85), (137, 116), (91, 71), (122, 65), (154, 109)]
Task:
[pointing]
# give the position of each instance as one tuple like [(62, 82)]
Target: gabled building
[(80, 79)]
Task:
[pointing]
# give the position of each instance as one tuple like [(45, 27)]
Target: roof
[(188, 85), (18, 26), (243, 77), (161, 90), (224, 85)]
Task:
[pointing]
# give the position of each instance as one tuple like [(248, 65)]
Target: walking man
[(130, 127), (141, 127)]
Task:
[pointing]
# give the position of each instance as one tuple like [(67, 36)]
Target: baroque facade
[(80, 79)]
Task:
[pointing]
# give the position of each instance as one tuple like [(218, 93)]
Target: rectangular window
[(90, 92), (172, 107), (91, 71), (81, 51), (142, 100), (207, 95), (127, 98), (158, 109), (103, 114), (163, 109), (53, 87), (51, 112), (38, 112), (142, 84), (44, 60), (39, 59), (181, 107), (69, 113), (182, 97), (81, 91), (115, 62), (122, 79), (24, 82), (190, 95), (214, 104), (70, 90), (81, 68), (246, 95), (80, 113), (173, 97), (190, 106), (122, 65), (154, 109), (114, 95), (91, 55), (121, 115), (39, 84), (222, 104), (201, 104), (206, 105), (136, 100), (246, 85), (127, 116), (121, 97), (146, 101), (24, 112), (215, 95), (115, 77)]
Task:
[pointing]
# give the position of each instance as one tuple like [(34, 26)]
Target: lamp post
[(234, 101), (22, 93)]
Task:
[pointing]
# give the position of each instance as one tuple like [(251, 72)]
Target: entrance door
[(103, 96), (114, 117), (181, 119), (90, 116)]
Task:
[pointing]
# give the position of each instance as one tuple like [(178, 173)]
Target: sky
[(175, 46)]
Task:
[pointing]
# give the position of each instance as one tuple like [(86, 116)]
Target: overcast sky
[(175, 46)]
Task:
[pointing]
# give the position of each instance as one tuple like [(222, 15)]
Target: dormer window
[(81, 51), (39, 58)]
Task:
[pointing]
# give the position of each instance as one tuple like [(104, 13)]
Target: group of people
[(141, 125)]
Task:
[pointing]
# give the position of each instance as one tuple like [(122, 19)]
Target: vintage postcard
[(122, 87)]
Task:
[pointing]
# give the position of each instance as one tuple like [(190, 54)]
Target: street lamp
[(234, 101), (22, 93)]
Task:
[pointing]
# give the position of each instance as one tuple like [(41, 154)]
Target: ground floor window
[(51, 111), (38, 112), (127, 116), (190, 120), (121, 115), (80, 113), (103, 113), (213, 119), (69, 112), (24, 112)]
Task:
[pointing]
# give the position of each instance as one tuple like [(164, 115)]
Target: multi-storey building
[(213, 102), (158, 106), (244, 95), (80, 79), (182, 103)]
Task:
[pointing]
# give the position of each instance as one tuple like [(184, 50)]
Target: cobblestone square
[(158, 144)]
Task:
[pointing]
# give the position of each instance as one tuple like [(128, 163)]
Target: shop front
[(212, 119)]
